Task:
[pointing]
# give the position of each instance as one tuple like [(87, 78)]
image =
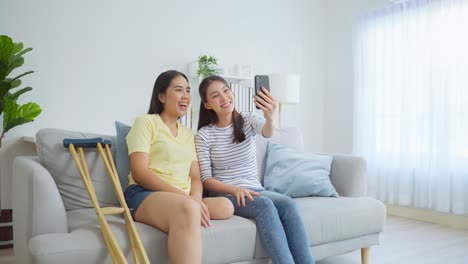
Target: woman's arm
[(146, 177), (196, 189), (265, 101), (196, 192)]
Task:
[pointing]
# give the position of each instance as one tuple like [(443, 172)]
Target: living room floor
[(403, 241)]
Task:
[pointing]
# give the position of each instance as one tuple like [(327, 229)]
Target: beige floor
[(404, 241)]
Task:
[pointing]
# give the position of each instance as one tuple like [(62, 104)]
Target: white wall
[(338, 93), (96, 61)]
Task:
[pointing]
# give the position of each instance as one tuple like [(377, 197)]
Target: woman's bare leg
[(220, 207), (179, 217)]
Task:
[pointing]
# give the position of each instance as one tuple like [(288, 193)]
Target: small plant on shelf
[(207, 66)]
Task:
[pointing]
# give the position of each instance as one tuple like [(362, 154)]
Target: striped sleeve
[(203, 153), (257, 122)]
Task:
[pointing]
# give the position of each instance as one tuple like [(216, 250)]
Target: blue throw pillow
[(297, 174), (122, 162)]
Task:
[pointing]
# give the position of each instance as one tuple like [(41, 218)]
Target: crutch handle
[(85, 142)]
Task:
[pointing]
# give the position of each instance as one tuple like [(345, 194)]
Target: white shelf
[(231, 78), (192, 74), (29, 139)]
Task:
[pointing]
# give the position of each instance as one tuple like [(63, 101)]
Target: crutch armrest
[(85, 142)]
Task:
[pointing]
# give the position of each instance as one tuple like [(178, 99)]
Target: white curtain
[(411, 103)]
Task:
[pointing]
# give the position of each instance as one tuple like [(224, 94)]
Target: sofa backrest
[(290, 137), (58, 161)]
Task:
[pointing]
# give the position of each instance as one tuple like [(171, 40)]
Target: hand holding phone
[(261, 81)]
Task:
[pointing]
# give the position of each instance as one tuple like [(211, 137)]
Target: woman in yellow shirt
[(165, 190)]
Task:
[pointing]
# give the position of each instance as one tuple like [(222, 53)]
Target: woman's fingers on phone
[(261, 100), (266, 105), (266, 95), (259, 105)]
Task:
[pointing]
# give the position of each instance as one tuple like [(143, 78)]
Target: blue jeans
[(280, 226)]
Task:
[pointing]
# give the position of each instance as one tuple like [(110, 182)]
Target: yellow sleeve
[(194, 149), (141, 135)]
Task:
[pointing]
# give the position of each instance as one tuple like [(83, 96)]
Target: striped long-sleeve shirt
[(228, 162)]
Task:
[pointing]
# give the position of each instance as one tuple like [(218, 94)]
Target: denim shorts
[(134, 195)]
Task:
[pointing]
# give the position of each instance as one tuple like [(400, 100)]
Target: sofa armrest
[(348, 175), (37, 205)]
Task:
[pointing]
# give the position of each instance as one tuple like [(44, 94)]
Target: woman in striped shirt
[(226, 152)]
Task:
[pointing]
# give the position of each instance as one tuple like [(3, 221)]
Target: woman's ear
[(162, 98), (207, 106)]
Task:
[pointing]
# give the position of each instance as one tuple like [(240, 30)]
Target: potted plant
[(207, 66), (11, 57)]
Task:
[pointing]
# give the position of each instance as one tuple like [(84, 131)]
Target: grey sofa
[(53, 221)]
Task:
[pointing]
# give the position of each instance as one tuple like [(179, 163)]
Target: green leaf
[(3, 70), (22, 75), (10, 111), (16, 94), (17, 48), (5, 86), (2, 104), (15, 62), (24, 114), (6, 48), (23, 52), (15, 83)]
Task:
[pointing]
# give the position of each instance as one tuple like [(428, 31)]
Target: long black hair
[(208, 116), (160, 86)]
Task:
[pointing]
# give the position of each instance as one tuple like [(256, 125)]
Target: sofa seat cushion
[(330, 219), (336, 219), (233, 239)]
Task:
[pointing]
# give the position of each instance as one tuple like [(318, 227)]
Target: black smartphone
[(261, 81)]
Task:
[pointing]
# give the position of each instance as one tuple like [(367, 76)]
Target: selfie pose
[(165, 190), (226, 151)]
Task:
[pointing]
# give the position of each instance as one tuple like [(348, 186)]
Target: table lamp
[(286, 89)]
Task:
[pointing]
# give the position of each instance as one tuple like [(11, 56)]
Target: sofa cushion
[(336, 219), (58, 161), (84, 240), (122, 162), (290, 137), (297, 174)]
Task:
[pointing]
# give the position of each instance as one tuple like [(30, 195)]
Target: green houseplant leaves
[(11, 57), (207, 66)]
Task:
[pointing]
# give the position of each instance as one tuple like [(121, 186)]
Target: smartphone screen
[(261, 81)]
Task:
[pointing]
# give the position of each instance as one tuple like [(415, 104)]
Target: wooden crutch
[(138, 251)]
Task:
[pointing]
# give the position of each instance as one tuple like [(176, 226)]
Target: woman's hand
[(241, 193), (205, 213), (265, 101)]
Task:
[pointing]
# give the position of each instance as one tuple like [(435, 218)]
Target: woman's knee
[(265, 205), (189, 208), (226, 208), (289, 202), (220, 208), (287, 206)]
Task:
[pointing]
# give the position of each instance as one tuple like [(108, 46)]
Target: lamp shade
[(285, 87)]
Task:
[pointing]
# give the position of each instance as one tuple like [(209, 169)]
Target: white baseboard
[(456, 221)]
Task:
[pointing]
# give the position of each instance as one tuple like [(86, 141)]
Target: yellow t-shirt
[(170, 157)]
